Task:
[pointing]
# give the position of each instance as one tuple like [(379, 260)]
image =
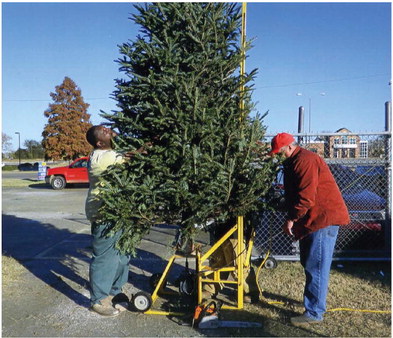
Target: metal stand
[(208, 275), (204, 273)]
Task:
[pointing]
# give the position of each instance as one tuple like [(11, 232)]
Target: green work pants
[(108, 267)]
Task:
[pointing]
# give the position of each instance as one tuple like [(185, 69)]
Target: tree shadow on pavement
[(149, 263), (158, 249), (49, 253), (54, 256), (36, 184)]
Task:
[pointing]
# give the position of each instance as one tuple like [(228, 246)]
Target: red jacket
[(312, 196)]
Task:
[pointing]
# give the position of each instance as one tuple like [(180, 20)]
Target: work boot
[(104, 309), (247, 299), (304, 319), (120, 302)]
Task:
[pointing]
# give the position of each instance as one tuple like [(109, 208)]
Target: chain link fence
[(361, 165)]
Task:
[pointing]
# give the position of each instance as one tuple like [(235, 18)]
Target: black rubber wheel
[(270, 263), (58, 182), (187, 285), (154, 279), (142, 301)]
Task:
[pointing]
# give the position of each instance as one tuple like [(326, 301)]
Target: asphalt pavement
[(47, 232)]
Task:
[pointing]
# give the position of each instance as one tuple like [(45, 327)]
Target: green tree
[(182, 94), (68, 120), (34, 149), (377, 147)]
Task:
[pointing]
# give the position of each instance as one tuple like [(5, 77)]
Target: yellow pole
[(240, 224), (243, 59), (240, 261), (243, 38)]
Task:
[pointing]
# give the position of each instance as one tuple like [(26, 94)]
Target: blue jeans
[(316, 254), (108, 267)]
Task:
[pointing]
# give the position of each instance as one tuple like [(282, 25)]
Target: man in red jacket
[(315, 210)]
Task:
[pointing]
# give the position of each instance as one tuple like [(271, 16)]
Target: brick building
[(338, 146)]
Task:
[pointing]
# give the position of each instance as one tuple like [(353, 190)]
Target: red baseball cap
[(279, 141)]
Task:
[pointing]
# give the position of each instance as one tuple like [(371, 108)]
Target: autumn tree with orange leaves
[(68, 121)]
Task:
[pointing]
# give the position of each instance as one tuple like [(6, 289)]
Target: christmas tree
[(181, 96)]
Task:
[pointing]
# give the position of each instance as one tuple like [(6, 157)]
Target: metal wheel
[(270, 263), (142, 301), (58, 182)]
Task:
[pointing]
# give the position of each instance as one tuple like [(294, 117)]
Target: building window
[(352, 140), (363, 149), (344, 140), (336, 141)]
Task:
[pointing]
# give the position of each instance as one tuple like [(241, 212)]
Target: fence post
[(388, 156)]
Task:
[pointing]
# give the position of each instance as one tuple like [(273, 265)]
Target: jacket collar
[(295, 152)]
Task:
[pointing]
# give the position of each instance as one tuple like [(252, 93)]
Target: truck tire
[(58, 182)]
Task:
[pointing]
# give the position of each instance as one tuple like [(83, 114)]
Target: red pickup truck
[(76, 172)]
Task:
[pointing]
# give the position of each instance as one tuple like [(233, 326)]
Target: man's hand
[(259, 143), (287, 227), (141, 150)]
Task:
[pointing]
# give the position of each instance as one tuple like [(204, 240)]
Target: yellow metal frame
[(205, 274), (208, 275)]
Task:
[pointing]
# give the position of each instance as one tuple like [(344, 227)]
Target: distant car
[(29, 167), (364, 199), (361, 189), (76, 172), (366, 208), (25, 167)]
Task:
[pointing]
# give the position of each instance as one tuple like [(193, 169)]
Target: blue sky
[(340, 49)]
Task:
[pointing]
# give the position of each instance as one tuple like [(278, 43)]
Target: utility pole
[(17, 132)]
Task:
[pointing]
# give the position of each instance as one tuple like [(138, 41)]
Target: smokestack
[(388, 116), (300, 125)]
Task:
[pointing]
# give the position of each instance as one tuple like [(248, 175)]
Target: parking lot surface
[(46, 231)]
